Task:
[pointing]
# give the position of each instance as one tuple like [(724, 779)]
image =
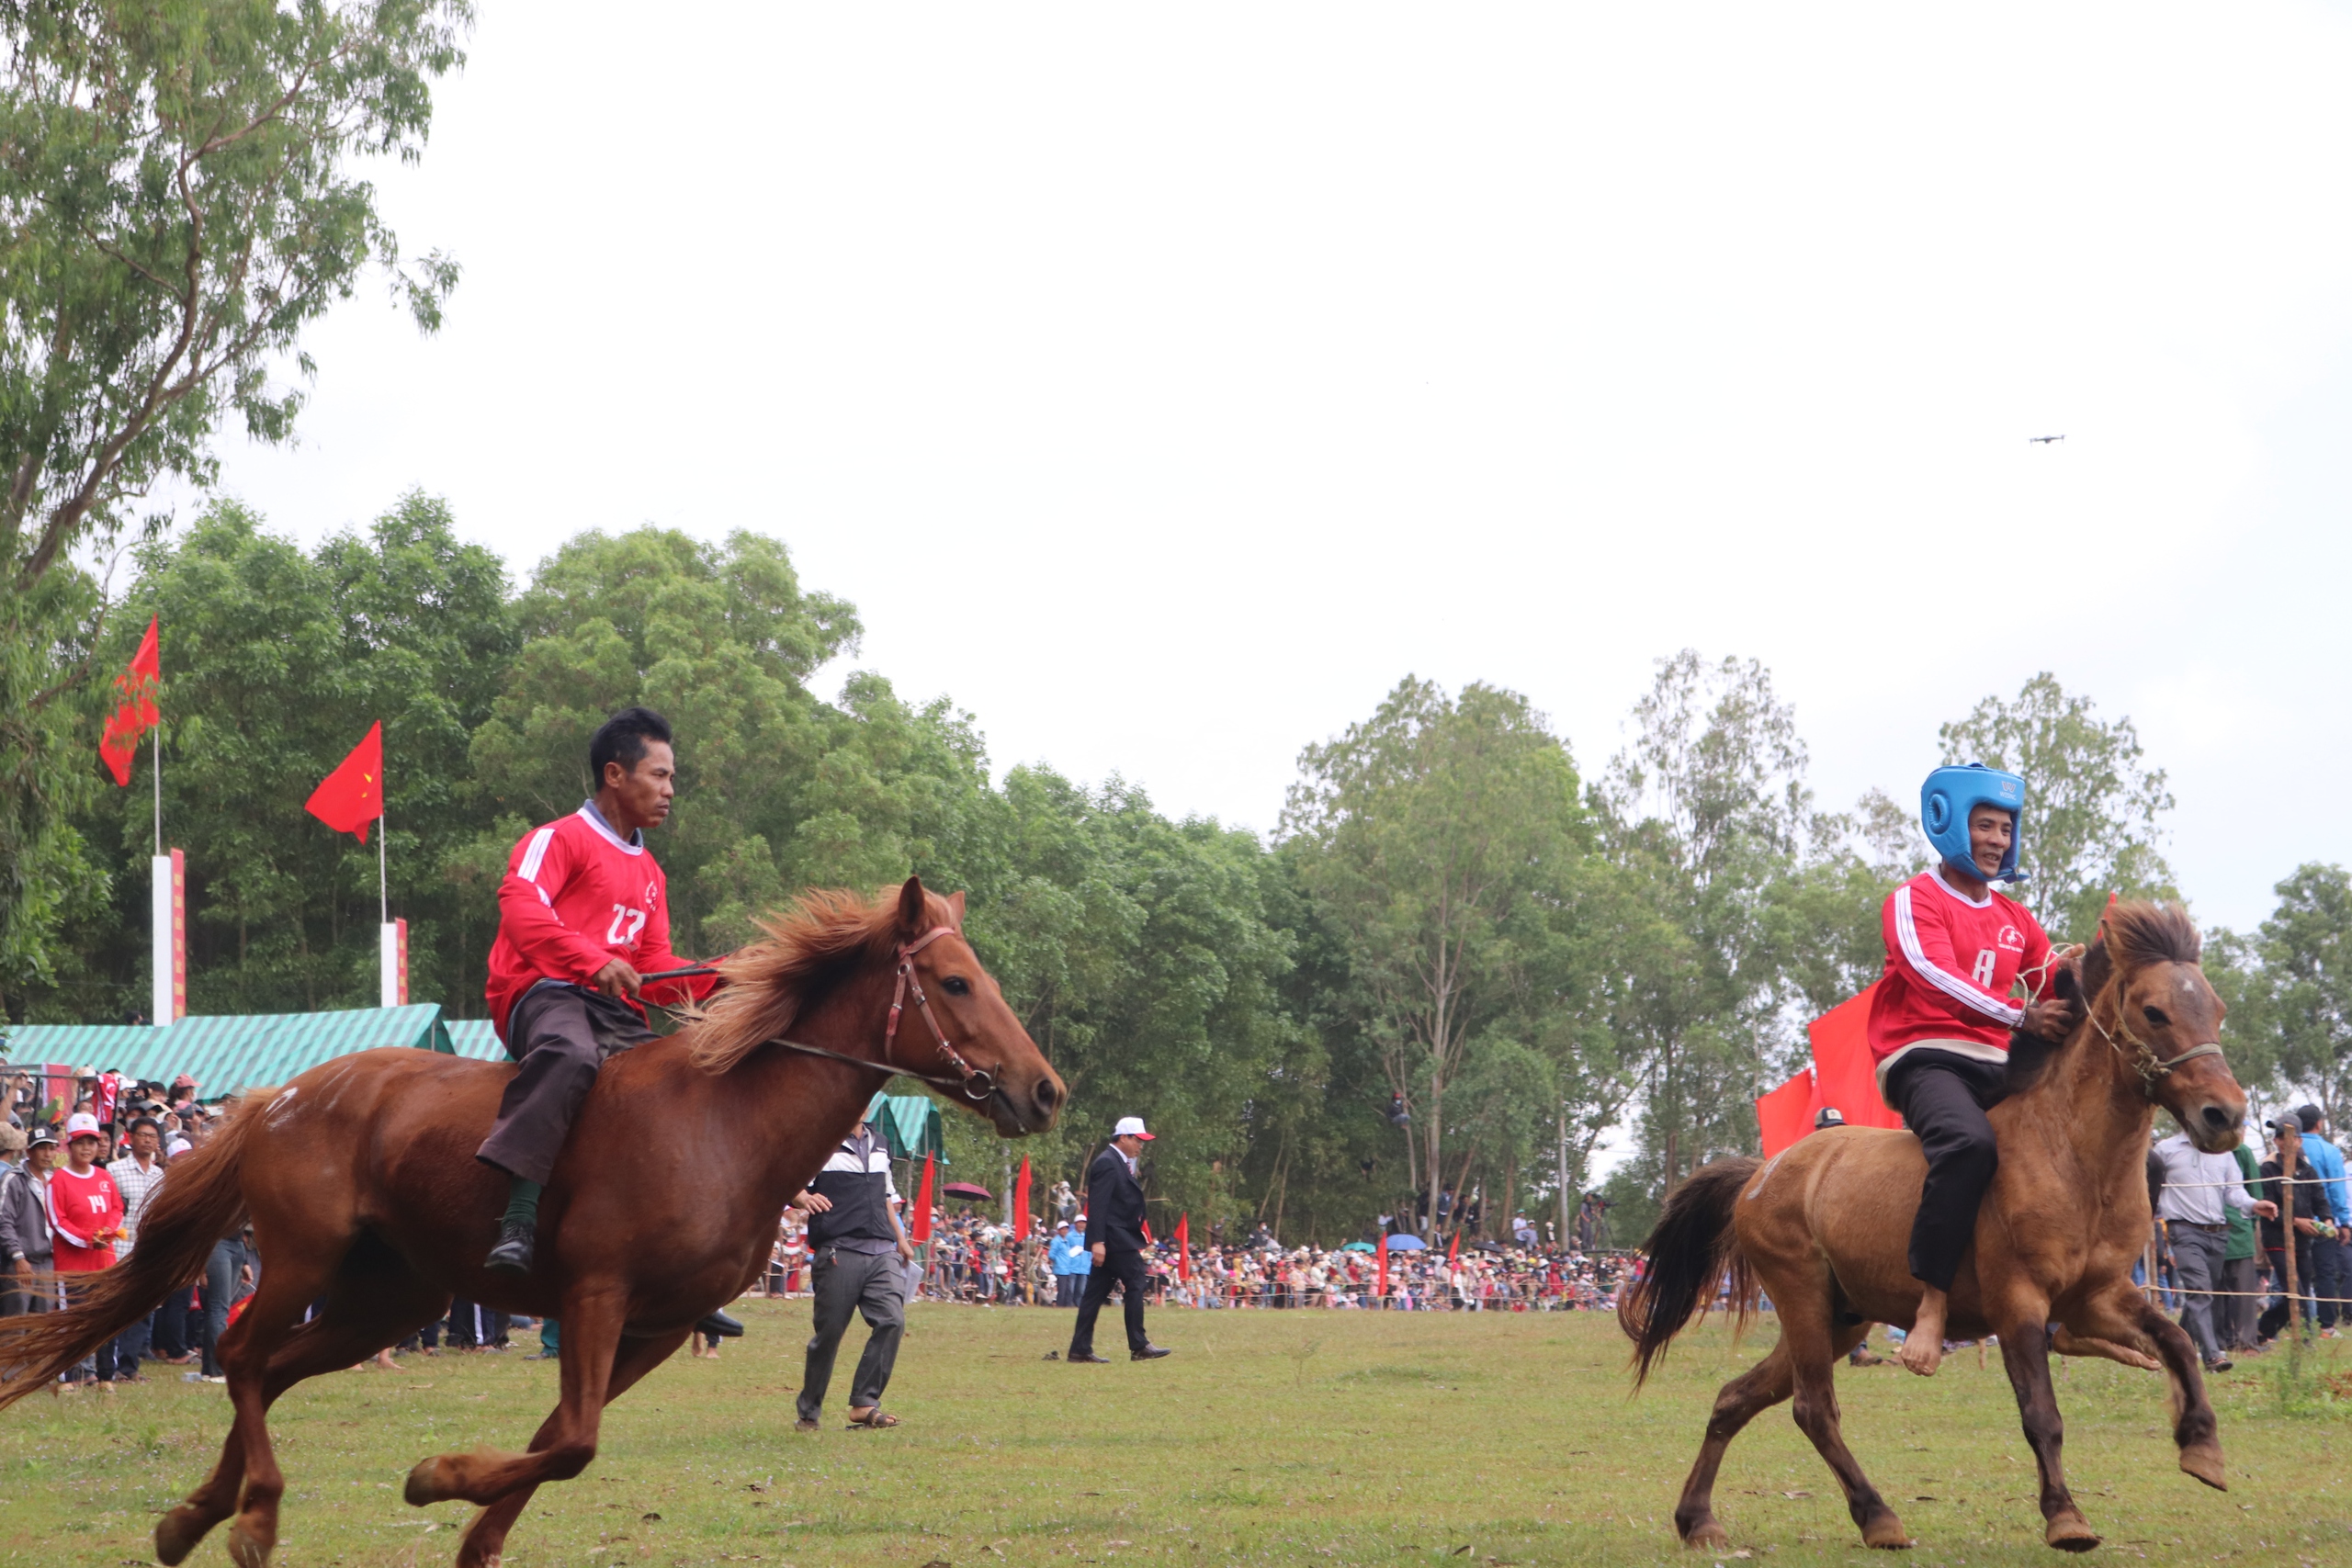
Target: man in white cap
[(1115, 1237)]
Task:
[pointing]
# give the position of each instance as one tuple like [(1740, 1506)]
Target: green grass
[(1308, 1436)]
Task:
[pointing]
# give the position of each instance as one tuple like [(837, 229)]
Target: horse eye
[(956, 986), (2156, 1016)]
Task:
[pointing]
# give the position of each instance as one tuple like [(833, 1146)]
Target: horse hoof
[(1706, 1536), (177, 1534), (1886, 1533), (2071, 1532), (424, 1486), (247, 1550), (2203, 1460)]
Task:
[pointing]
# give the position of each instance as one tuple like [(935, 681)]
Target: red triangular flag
[(1185, 1247), (1020, 1203), (1149, 1239), (1454, 1249), (920, 1229), (353, 795), (118, 743), (1382, 1291)]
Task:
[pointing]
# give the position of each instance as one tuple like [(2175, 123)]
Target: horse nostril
[(2217, 1118), (1049, 1094)]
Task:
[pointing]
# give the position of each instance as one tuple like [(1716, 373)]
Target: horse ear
[(2096, 965), (956, 907), (910, 909)]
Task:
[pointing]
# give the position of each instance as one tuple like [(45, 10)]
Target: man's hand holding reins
[(618, 979), (2052, 1019)]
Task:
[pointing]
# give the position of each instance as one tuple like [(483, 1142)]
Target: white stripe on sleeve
[(1953, 986), (529, 870)]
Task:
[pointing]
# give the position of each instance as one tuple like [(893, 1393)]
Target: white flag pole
[(387, 948)]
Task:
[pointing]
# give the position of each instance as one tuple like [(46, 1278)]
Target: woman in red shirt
[(1942, 1017), (85, 1211)]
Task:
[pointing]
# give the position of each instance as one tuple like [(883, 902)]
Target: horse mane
[(824, 933), (2133, 936)]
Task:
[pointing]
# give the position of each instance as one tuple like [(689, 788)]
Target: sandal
[(874, 1420)]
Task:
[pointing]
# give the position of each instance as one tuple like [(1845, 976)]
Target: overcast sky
[(1164, 385)]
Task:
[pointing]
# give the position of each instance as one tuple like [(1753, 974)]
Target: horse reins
[(975, 1084)]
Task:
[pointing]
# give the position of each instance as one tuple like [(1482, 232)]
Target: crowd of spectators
[(976, 1258)]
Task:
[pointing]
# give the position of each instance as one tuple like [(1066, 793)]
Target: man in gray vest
[(856, 1247)]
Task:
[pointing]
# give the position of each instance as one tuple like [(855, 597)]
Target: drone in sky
[(2043, 440)]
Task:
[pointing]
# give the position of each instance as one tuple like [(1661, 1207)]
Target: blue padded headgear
[(1948, 797)]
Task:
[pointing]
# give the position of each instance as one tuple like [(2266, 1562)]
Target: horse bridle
[(975, 1084), (2143, 1056)]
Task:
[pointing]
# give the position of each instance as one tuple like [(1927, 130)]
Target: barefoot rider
[(1941, 1017), (584, 911)]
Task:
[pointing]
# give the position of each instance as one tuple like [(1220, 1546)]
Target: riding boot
[(513, 1253)]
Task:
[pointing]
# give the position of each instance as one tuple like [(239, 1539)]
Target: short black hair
[(2309, 1115), (621, 738), (147, 1122)]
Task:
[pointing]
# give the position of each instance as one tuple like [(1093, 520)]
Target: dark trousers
[(172, 1338), (564, 1035), (100, 1363), (1118, 1268), (2235, 1313), (1943, 1098), (2196, 1257), (20, 1296), (133, 1343), (1065, 1288), (473, 1326), (846, 1285), (2331, 1276), (219, 1290), (2274, 1316)]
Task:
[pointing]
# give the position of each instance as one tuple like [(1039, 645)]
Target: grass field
[(1303, 1436)]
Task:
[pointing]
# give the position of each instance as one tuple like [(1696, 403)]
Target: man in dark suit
[(1115, 1235)]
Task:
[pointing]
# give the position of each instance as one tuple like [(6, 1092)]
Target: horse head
[(828, 968), (2148, 999), (978, 1052)]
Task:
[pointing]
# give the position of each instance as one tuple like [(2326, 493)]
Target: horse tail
[(1688, 1253), (202, 1199)]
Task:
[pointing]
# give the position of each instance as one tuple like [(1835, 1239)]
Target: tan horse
[(360, 1180), (1823, 1228)]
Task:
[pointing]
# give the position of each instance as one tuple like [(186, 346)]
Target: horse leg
[(247, 1352), (1739, 1401), (2123, 1315), (1813, 1352), (592, 1337), (2025, 1351), (486, 1537)]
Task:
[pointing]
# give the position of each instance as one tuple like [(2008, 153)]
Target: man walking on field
[(1115, 1237), (584, 911)]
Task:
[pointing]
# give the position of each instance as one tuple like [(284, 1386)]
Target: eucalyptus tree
[(180, 197), (1442, 833)]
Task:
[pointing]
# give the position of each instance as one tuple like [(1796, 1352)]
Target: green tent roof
[(910, 1125), (474, 1037), (228, 1053)]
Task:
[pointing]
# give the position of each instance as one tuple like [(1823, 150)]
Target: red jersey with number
[(1951, 965), (576, 896), (81, 1209)]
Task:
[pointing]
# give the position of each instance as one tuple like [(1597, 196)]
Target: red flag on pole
[(1786, 1114), (1454, 1249), (118, 743), (920, 1229), (1185, 1247), (1020, 1203), (1382, 1291), (353, 795), (1149, 1240)]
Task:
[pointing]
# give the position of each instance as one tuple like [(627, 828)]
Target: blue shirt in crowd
[(1068, 1254), (2327, 1163)]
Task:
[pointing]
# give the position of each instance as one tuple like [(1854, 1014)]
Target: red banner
[(353, 795), (118, 742), (1185, 1247), (1844, 1075), (1785, 1114), (920, 1229), (1020, 1203), (1383, 1290)]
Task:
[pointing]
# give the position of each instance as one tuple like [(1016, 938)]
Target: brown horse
[(361, 1184), (1823, 1229)]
